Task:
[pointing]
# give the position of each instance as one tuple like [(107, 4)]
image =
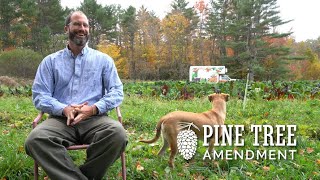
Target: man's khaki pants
[(48, 141)]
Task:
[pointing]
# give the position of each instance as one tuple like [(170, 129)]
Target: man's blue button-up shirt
[(63, 79)]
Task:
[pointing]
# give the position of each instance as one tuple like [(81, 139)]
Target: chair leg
[(123, 158), (124, 170), (36, 171)]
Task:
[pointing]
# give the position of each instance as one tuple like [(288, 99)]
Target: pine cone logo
[(187, 140)]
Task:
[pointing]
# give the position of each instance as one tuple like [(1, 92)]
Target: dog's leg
[(174, 150), (172, 140), (212, 140), (164, 147)]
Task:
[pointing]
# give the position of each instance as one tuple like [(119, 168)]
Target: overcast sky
[(305, 24)]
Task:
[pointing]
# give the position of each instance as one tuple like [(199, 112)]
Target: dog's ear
[(226, 96), (210, 97)]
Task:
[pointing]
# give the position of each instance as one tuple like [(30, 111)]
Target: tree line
[(239, 34)]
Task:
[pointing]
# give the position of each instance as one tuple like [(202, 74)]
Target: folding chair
[(77, 147)]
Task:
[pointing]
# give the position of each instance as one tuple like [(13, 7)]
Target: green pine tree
[(247, 28)]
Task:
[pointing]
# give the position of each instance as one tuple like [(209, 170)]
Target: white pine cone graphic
[(187, 141)]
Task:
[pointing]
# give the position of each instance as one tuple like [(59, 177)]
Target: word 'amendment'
[(231, 135)]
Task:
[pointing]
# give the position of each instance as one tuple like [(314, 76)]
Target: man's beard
[(79, 41)]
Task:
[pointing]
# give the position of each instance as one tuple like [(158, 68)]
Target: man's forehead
[(78, 16)]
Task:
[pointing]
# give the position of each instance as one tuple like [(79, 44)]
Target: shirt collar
[(83, 51)]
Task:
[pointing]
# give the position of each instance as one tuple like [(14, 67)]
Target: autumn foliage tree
[(312, 65), (175, 45), (147, 44), (114, 51), (240, 35)]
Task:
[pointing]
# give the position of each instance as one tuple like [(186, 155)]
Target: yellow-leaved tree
[(114, 51), (175, 48), (313, 65)]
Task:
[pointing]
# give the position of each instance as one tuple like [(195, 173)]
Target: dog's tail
[(158, 133)]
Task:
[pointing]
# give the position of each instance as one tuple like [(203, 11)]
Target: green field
[(140, 115)]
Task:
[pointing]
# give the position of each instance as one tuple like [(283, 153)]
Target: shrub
[(21, 63), (8, 81)]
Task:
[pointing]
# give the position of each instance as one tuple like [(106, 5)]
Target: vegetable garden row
[(187, 90), (264, 90)]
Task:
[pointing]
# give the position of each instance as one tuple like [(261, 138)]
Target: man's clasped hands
[(79, 112)]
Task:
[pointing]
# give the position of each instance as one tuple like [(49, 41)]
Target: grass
[(140, 116)]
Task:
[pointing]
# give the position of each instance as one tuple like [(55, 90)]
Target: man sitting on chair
[(76, 86)]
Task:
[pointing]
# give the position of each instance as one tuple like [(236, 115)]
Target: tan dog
[(169, 124)]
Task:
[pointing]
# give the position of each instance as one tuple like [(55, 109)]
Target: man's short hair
[(68, 18)]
